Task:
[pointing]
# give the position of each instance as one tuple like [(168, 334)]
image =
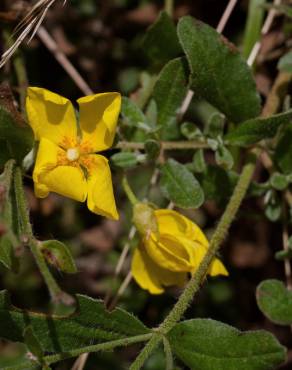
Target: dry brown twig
[(28, 26)]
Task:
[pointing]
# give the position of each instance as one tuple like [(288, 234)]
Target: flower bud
[(144, 219)]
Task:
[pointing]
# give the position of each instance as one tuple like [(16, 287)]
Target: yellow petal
[(142, 271), (98, 119), (152, 277), (217, 268), (100, 189), (50, 115), (172, 222), (67, 181), (170, 252), (46, 160), (41, 190)]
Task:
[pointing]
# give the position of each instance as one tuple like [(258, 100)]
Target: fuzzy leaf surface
[(161, 42), (275, 301), (169, 92), (257, 129), (91, 324), (180, 186), (204, 344), (15, 140), (219, 74)]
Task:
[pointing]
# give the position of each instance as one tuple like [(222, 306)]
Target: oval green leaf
[(124, 159), (169, 93), (208, 345), (180, 186), (219, 74), (275, 301)]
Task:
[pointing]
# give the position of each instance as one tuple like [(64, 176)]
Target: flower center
[(72, 154)]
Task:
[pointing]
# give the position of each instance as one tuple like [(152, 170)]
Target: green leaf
[(283, 151), (180, 186), (273, 206), (212, 179), (257, 129), (58, 255), (18, 359), (212, 119), (161, 43), (91, 324), (218, 72), (190, 131), (275, 301), (253, 26), (21, 364), (9, 241), (224, 158), (152, 148), (151, 113), (204, 344), (33, 344), (132, 114), (15, 140), (169, 93), (285, 62), (285, 254), (279, 181), (124, 159), (199, 163)]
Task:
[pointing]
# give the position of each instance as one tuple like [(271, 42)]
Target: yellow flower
[(167, 256), (66, 162)]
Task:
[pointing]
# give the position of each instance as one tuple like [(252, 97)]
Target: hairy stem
[(28, 238), (147, 350), (168, 354), (98, 347), (169, 7)]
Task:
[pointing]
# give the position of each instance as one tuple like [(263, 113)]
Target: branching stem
[(98, 347)]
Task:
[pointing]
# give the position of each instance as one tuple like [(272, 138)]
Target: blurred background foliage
[(104, 39)]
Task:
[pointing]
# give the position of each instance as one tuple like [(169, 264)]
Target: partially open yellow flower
[(66, 162), (167, 257)]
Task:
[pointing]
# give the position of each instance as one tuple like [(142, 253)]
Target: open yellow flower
[(66, 162), (167, 256)]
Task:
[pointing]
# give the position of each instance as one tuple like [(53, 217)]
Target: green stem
[(129, 192), (195, 283), (168, 354), (169, 6), (98, 347), (147, 350), (54, 289), (166, 145)]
